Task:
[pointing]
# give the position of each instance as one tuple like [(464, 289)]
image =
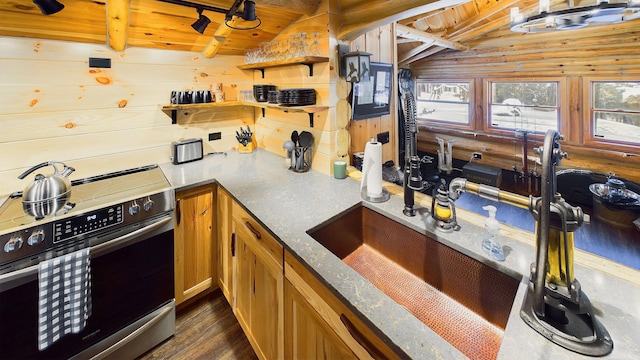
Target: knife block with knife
[(246, 140)]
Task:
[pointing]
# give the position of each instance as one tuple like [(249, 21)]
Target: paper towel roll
[(372, 168)]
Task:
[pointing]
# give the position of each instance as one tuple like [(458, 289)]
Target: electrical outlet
[(100, 63), (476, 155), (215, 136)]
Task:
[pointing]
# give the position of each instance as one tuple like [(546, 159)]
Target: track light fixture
[(48, 7), (201, 24), (248, 13)]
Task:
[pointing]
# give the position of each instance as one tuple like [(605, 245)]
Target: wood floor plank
[(205, 329)]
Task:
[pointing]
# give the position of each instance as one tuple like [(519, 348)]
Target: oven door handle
[(107, 245), (95, 250)]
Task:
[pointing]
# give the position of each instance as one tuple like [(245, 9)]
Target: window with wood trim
[(614, 112), (531, 106), (443, 102)]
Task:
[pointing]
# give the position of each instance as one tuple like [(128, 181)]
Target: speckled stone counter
[(288, 204)]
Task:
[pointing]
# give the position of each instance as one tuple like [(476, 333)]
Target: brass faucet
[(554, 305)]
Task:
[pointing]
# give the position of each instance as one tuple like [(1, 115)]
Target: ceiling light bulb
[(48, 7), (550, 22), (543, 6)]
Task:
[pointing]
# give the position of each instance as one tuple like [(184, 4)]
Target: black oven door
[(131, 276)]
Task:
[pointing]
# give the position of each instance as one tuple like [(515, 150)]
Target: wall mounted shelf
[(172, 109), (305, 60), (309, 109)]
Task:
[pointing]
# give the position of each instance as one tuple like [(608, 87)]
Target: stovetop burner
[(88, 194)]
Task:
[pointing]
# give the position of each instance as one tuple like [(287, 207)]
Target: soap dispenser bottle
[(489, 243)]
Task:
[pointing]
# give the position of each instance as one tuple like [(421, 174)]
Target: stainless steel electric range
[(125, 219)]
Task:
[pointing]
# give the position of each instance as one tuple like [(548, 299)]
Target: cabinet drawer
[(263, 243)]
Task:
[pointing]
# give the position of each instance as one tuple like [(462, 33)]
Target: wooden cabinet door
[(335, 327), (226, 244), (259, 286), (306, 334), (194, 242)]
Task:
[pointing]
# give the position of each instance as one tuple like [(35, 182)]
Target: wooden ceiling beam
[(422, 55), (221, 34), (364, 16), (411, 33), (415, 51), (117, 23), (306, 7)]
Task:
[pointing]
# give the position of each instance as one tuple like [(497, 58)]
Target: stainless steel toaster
[(186, 150)]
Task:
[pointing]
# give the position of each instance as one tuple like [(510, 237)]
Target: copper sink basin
[(463, 300)]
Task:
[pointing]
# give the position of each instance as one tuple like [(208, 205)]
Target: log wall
[(54, 107), (276, 126), (605, 52)]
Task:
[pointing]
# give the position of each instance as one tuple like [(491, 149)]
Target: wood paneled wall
[(606, 52), (380, 43), (54, 107), (276, 126)]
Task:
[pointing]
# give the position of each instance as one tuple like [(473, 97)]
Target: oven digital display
[(87, 223)]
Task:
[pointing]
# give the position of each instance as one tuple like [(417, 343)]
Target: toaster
[(186, 150)]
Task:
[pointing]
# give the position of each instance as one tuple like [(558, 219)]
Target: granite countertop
[(288, 204)]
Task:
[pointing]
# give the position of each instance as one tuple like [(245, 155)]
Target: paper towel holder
[(375, 198), (364, 192)]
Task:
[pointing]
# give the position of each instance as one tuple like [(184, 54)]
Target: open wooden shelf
[(305, 60), (201, 106), (309, 109)]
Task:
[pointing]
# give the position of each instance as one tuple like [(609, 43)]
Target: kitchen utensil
[(46, 194), (244, 137), (289, 146), (294, 137), (305, 139)]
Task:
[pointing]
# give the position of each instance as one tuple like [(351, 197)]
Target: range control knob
[(134, 208), (35, 238), (148, 204), (13, 244)]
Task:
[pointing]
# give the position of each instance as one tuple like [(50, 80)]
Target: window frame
[(470, 125), (588, 122), (562, 105)]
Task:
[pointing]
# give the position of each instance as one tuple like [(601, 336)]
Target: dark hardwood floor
[(205, 329)]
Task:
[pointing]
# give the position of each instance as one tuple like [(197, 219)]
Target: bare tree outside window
[(529, 106), (616, 111), (443, 101)]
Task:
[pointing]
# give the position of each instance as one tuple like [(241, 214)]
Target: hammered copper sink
[(463, 300)]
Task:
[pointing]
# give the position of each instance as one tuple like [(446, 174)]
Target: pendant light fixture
[(48, 7), (572, 17)]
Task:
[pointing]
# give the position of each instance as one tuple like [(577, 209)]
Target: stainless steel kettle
[(46, 195)]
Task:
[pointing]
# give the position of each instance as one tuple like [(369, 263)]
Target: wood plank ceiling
[(425, 27)]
